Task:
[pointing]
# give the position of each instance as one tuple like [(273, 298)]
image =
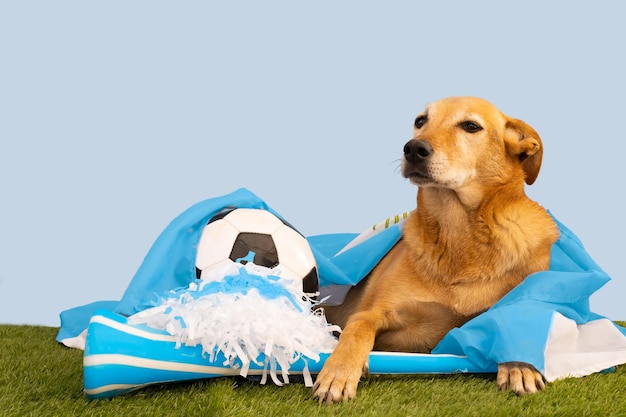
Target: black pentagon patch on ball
[(258, 248), (311, 282)]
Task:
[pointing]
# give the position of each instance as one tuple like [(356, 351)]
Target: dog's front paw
[(520, 377), (337, 382)]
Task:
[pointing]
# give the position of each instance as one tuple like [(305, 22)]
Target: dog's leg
[(340, 375), (520, 377)]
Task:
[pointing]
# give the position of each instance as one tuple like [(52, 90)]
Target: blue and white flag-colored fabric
[(545, 321)]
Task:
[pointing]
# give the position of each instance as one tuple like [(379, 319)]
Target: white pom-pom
[(244, 311)]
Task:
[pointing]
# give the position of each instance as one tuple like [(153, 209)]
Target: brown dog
[(473, 237)]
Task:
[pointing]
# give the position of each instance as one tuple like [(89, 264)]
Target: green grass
[(42, 378)]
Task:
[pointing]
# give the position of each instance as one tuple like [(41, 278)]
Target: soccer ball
[(253, 235)]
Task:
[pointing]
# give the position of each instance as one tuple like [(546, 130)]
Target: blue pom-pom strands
[(247, 314), (269, 286)]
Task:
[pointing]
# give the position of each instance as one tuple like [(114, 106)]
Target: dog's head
[(466, 142)]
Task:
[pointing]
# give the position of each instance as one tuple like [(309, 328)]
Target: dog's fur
[(473, 237)]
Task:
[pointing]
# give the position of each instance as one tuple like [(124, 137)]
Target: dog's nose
[(417, 150)]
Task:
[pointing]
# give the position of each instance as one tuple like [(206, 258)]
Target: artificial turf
[(42, 378)]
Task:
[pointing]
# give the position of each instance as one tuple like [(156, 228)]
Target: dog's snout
[(417, 150)]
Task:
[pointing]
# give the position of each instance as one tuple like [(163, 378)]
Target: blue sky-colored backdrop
[(117, 116)]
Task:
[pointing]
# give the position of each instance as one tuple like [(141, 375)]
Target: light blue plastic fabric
[(517, 327)]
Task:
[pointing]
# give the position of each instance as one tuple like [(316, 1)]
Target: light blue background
[(117, 116)]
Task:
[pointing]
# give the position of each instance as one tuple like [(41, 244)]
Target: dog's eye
[(470, 127), (420, 121)]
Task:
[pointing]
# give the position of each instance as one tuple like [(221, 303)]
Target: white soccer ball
[(242, 235)]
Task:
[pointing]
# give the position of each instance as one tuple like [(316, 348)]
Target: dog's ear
[(523, 142)]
